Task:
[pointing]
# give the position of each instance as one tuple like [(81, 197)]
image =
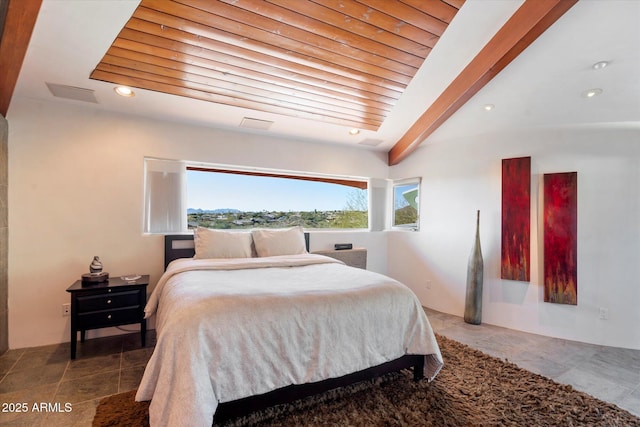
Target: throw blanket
[(229, 329)]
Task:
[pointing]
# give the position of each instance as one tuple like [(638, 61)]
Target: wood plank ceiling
[(344, 62)]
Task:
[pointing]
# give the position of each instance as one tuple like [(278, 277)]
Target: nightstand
[(112, 303), (356, 257)]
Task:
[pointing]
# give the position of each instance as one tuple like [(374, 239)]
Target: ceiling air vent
[(370, 142), (255, 123), (70, 92)]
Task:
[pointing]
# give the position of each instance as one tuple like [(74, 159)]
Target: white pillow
[(222, 244), (279, 241)]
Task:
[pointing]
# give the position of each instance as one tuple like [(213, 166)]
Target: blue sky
[(206, 190), (399, 200)]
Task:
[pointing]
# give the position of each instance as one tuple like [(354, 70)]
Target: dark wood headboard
[(182, 246)]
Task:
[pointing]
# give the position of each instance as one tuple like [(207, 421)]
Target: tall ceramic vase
[(473, 301)]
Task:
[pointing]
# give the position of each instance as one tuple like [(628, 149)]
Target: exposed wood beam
[(18, 25), (347, 182), (532, 19)]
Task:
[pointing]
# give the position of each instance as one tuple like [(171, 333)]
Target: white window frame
[(400, 183), (165, 200)]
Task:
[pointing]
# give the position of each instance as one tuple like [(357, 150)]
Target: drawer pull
[(109, 317), (108, 301), (109, 290)]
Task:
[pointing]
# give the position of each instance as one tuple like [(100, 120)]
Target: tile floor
[(102, 367), (608, 373), (112, 365)]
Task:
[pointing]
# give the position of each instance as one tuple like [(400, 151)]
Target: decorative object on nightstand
[(354, 257), (95, 274), (96, 265), (114, 302)]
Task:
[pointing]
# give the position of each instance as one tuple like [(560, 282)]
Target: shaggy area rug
[(473, 389)]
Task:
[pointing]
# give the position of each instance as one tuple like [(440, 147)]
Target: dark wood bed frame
[(182, 246)]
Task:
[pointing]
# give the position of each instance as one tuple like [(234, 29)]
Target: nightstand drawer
[(108, 301), (103, 318)]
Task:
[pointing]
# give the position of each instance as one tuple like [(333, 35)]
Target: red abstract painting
[(560, 238), (516, 214)]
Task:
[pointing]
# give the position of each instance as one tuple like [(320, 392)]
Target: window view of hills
[(231, 200), (234, 218)]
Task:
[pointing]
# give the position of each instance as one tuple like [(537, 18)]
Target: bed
[(245, 325)]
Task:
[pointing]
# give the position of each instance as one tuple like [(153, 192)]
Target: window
[(406, 203), (227, 199)]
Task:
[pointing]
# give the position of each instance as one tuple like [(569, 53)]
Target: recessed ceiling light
[(489, 107), (600, 65), (354, 131), (124, 91), (591, 93)]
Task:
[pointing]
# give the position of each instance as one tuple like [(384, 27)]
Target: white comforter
[(227, 329)]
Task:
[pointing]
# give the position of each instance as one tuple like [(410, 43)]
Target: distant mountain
[(211, 211)]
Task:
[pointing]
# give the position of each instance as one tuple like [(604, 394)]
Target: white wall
[(76, 190), (464, 175)]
